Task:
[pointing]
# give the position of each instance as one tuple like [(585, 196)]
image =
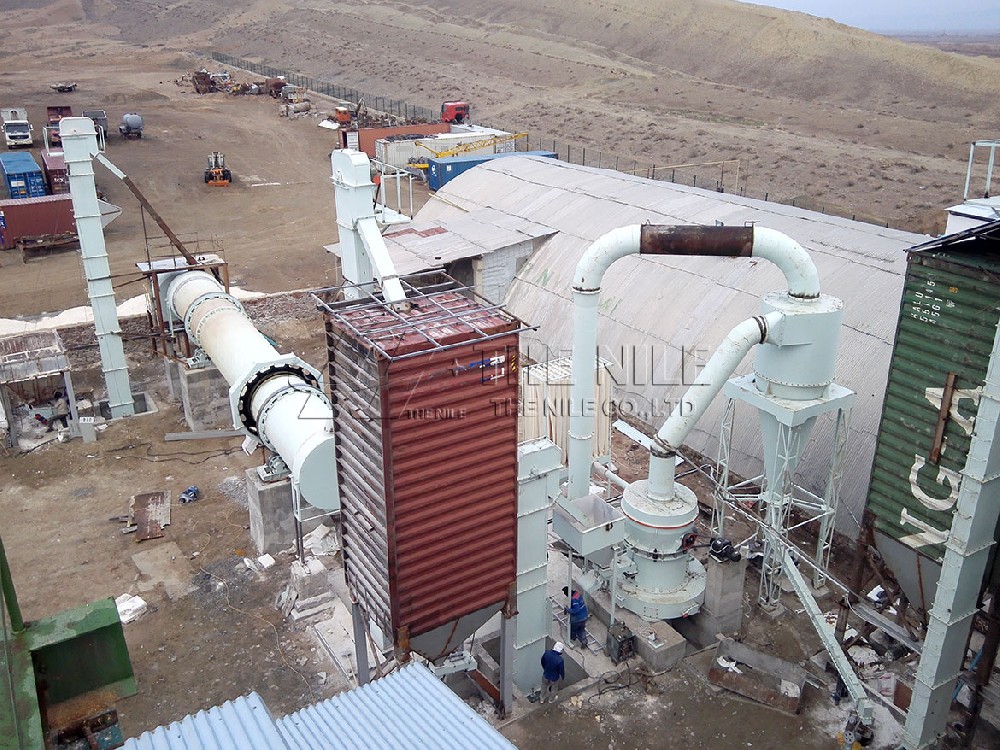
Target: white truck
[(17, 131)]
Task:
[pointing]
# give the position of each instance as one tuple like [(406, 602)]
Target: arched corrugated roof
[(659, 307)]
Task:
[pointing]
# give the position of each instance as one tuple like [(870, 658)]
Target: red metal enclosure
[(56, 174), (34, 217), (425, 408)]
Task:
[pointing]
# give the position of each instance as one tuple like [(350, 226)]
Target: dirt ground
[(212, 633)]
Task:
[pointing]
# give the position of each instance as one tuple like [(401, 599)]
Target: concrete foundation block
[(722, 606), (662, 648), (723, 581), (272, 514), (205, 398), (310, 579), (657, 643)]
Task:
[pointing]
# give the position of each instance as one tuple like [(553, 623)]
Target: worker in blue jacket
[(553, 670), (578, 615)]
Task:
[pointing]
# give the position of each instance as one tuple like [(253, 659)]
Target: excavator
[(217, 174), (347, 118)]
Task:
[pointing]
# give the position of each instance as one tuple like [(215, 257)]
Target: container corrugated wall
[(442, 171), (426, 416), (947, 324), (22, 175), (35, 217)]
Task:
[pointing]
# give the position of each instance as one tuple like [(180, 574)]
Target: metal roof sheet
[(409, 709), (423, 245), (683, 307), (240, 724)]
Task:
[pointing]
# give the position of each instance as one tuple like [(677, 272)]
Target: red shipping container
[(425, 405), (34, 217), (368, 136), (54, 166)]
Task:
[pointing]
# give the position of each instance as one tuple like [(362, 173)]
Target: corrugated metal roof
[(683, 307), (423, 245), (240, 724), (409, 709)]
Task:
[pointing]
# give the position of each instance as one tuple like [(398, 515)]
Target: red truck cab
[(456, 112), (54, 115)]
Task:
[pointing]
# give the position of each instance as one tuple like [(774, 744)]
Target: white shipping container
[(399, 152)]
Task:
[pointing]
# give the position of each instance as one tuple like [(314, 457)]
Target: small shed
[(33, 368)]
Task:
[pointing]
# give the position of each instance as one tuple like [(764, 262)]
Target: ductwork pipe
[(758, 242), (275, 398), (744, 337)]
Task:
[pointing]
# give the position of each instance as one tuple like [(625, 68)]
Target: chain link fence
[(726, 176)]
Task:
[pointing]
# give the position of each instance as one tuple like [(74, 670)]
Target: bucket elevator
[(796, 334), (276, 400)]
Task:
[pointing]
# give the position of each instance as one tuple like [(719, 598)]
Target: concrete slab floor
[(679, 710)]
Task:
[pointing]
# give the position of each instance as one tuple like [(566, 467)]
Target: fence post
[(694, 182), (653, 174), (584, 160)]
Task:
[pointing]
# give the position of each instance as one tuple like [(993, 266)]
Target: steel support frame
[(721, 490), (821, 510)]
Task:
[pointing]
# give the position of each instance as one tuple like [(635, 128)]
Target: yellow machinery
[(462, 148)]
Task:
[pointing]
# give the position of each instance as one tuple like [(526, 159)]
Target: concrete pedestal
[(657, 643), (272, 515), (722, 612), (205, 396), (272, 520)]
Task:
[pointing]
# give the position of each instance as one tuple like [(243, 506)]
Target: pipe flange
[(244, 399), (276, 396), (194, 332)]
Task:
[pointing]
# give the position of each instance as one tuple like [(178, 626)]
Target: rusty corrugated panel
[(947, 324), (426, 414), (149, 512), (34, 217)]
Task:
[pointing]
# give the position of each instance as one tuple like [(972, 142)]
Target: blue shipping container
[(22, 175), (441, 171)]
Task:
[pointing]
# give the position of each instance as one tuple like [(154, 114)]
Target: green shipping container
[(947, 325)]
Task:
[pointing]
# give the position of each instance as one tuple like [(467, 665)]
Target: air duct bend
[(696, 400), (647, 239), (275, 398)]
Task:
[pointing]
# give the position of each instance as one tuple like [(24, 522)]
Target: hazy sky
[(901, 15)]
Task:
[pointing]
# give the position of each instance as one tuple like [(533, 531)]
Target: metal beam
[(862, 703)]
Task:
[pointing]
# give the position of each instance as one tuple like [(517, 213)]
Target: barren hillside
[(828, 115)]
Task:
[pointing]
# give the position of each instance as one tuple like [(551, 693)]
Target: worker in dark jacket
[(553, 670), (578, 615)]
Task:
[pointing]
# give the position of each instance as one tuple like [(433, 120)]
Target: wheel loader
[(217, 174)]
